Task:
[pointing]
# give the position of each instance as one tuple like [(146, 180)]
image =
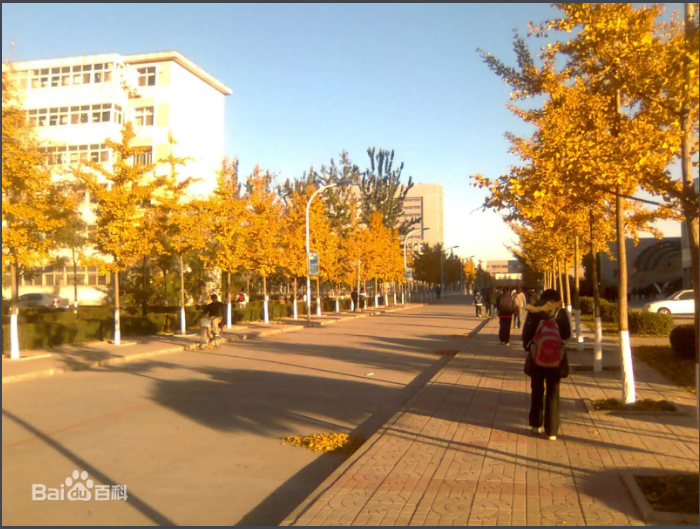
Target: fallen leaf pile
[(326, 442)]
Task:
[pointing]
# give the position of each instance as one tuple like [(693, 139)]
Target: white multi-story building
[(76, 103), (425, 202)]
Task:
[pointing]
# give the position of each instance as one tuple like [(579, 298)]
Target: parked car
[(682, 302), (43, 301)]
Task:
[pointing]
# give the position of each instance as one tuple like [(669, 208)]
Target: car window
[(674, 295), (686, 296)]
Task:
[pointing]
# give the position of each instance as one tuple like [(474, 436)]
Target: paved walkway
[(459, 452), (41, 363)]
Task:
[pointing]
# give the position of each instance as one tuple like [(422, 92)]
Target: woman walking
[(546, 327)]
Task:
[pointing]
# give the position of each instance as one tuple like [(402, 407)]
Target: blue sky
[(311, 80)]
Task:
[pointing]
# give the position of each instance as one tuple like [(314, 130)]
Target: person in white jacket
[(520, 302)]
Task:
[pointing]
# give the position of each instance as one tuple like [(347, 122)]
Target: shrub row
[(44, 329), (650, 323), (682, 340)]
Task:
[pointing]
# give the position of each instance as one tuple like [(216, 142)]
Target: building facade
[(652, 263), (685, 249), (425, 202), (76, 103), (505, 272)]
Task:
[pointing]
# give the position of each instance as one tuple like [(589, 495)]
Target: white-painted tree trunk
[(266, 315), (628, 390), (598, 346), (183, 322), (228, 315), (403, 298), (386, 300), (579, 334), (117, 330), (318, 306), (376, 301), (14, 337), (337, 305), (296, 314), (395, 299)]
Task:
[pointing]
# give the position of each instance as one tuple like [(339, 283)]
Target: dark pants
[(478, 311), (504, 330), (544, 411), (354, 302)]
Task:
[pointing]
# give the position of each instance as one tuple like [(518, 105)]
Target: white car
[(682, 302)]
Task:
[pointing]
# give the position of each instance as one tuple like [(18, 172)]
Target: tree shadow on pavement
[(133, 499)]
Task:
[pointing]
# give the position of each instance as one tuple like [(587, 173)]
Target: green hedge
[(650, 323), (682, 340), (40, 329)]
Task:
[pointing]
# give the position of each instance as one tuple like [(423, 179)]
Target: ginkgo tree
[(33, 209), (262, 232), (587, 147), (228, 215), (121, 194)]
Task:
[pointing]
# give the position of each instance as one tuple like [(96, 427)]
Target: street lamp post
[(308, 248), (442, 273), (405, 262)]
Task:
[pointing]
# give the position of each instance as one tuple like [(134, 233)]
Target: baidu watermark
[(79, 487)]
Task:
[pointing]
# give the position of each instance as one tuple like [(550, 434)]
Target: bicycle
[(208, 338)]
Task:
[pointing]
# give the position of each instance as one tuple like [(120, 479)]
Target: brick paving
[(459, 453)]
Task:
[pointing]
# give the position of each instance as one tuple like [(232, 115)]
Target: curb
[(292, 517), (92, 365), (185, 347), (665, 413), (645, 509)]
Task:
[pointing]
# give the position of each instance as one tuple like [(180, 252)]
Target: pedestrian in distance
[(520, 302), (506, 309), (544, 333), (363, 299), (242, 299), (492, 301), (355, 297), (478, 304)]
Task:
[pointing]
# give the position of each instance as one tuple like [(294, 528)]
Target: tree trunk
[(117, 330), (689, 209), (14, 312), (75, 282), (559, 283), (628, 390), (577, 298), (567, 289), (598, 344), (376, 292), (144, 286), (183, 321), (165, 284), (318, 296), (266, 316), (294, 301), (228, 300)]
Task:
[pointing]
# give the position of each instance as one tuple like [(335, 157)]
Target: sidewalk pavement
[(34, 364), (460, 453)]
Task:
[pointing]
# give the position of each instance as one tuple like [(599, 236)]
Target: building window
[(58, 116), (23, 79), (79, 115), (117, 114), (144, 116), (147, 76), (145, 157), (101, 113), (40, 78)]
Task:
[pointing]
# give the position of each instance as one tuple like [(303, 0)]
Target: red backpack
[(547, 347)]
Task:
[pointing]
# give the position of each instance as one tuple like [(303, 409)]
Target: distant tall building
[(425, 202), (505, 271)]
